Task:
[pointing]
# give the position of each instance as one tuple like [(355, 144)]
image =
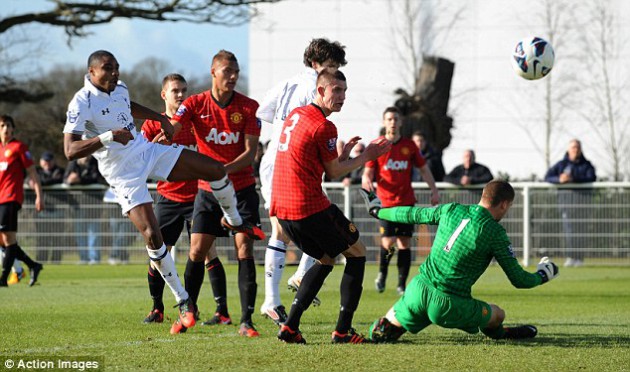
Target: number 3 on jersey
[(284, 145)]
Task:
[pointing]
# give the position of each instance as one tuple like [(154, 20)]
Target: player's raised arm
[(336, 168)]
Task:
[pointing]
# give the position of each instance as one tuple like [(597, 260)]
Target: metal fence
[(589, 221)]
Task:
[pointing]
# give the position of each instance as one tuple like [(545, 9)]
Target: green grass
[(583, 318)]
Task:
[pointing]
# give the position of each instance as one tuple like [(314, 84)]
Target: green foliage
[(582, 318)]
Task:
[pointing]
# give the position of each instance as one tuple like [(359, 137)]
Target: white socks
[(223, 190), (306, 262), (274, 267), (164, 263)]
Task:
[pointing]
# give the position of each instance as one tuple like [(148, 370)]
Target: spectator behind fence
[(84, 171), (431, 156), (15, 162), (51, 234), (469, 172), (573, 168)]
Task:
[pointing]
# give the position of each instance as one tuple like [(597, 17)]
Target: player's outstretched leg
[(517, 332), (306, 262), (383, 331), (311, 284), (351, 288), (165, 265)]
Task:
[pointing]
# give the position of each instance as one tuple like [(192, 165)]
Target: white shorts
[(265, 174), (130, 182)]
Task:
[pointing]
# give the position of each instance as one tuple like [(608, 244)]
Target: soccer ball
[(533, 58)]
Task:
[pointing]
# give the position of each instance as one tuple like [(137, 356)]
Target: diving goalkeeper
[(468, 238)]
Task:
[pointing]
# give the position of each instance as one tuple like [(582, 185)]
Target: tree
[(607, 92), (76, 16), (419, 29)]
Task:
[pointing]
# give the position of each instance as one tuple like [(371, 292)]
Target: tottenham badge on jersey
[(72, 117), (181, 110)]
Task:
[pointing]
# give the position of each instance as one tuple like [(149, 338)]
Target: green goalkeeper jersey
[(467, 239)]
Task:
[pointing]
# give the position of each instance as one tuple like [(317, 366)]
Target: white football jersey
[(279, 101), (92, 112)]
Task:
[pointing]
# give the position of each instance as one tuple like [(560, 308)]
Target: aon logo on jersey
[(222, 138), (4, 165), (396, 165)]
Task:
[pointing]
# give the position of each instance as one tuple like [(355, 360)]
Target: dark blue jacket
[(581, 170)]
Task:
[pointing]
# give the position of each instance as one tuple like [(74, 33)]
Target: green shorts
[(422, 305)]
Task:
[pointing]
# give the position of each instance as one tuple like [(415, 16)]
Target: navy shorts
[(172, 216), (327, 232), (207, 214), (390, 229), (9, 216)]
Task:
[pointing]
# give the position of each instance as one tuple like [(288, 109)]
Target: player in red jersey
[(14, 160), (306, 149), (175, 201), (392, 173), (226, 129)]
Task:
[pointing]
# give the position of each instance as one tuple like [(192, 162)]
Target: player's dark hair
[(98, 56), (9, 120), (393, 109), (498, 191), (329, 75), (320, 50), (172, 77), (473, 156), (418, 133), (224, 55)]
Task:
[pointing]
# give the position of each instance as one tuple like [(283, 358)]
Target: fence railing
[(588, 221)]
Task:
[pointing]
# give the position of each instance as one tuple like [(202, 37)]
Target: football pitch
[(96, 312)]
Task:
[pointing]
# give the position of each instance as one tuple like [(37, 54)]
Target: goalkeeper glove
[(547, 269), (372, 202)]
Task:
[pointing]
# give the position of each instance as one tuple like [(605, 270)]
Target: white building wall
[(490, 104)]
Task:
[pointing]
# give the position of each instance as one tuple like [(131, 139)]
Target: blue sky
[(186, 47)]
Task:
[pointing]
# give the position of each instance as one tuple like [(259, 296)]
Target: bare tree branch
[(75, 16)]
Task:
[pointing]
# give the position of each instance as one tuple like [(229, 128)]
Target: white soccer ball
[(533, 58)]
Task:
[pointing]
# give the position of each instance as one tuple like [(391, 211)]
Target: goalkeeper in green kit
[(468, 237)]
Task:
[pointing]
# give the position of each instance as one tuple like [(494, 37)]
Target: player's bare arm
[(75, 148), (367, 179), (427, 176), (144, 113), (37, 186), (246, 158), (336, 168), (347, 148)]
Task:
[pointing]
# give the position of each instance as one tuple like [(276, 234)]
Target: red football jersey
[(181, 191), (308, 141), (220, 131), (392, 173), (14, 160)]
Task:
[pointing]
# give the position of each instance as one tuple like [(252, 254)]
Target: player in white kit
[(279, 101), (100, 122)]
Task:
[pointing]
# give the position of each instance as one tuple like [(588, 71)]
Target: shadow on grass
[(565, 340)]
